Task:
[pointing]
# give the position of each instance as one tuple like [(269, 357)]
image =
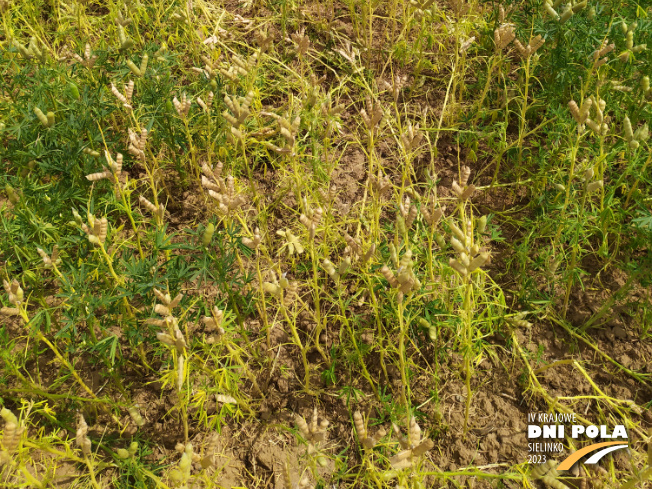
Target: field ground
[(337, 244)]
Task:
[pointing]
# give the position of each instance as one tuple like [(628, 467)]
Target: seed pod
[(393, 254), (208, 234), (412, 214), (162, 310), (358, 422), (123, 454), (74, 91), (642, 133), (550, 481), (629, 39), (405, 262), (606, 49), (42, 117), (118, 95), (389, 276), (482, 224), (104, 226), (284, 282), (166, 339), (627, 127), (457, 232), (124, 41), (8, 416), (400, 225), (330, 269), (478, 261), (180, 373), (272, 289), (224, 399), (575, 110), (579, 6), (11, 194), (95, 177), (129, 90), (369, 253), (423, 448), (253, 243), (566, 14), (135, 416), (457, 245), (163, 297), (81, 437), (44, 257), (594, 186), (143, 64), (12, 432), (185, 462), (303, 426), (461, 269), (353, 244), (345, 264), (132, 66), (148, 205), (551, 11), (133, 448)]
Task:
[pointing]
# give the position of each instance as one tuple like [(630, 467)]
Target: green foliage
[(210, 218)]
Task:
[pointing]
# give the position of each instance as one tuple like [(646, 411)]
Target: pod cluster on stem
[(367, 440), (404, 280), (89, 59), (81, 437), (635, 138), (469, 255), (96, 230), (221, 189), (113, 171), (313, 432), (414, 446), (125, 98), (239, 111)]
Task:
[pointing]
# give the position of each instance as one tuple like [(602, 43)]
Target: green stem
[(297, 341), (109, 262), (401, 355)]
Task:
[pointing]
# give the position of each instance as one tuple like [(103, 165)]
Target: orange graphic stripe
[(570, 461)]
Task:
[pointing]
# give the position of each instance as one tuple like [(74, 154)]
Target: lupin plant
[(171, 336), (221, 189), (316, 183)]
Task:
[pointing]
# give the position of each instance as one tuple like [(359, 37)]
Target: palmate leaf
[(644, 223), (108, 345), (163, 241)]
